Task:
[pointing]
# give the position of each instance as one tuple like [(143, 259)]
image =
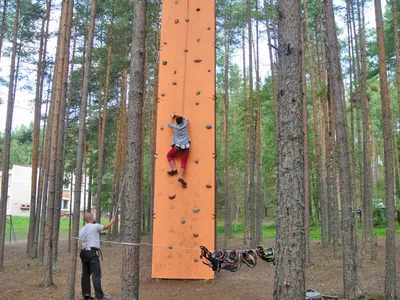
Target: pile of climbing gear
[(232, 260)]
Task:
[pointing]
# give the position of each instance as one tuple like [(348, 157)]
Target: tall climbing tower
[(184, 218)]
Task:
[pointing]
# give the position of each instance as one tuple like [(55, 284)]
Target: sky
[(23, 109)]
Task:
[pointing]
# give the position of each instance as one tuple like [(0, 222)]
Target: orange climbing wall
[(186, 87)]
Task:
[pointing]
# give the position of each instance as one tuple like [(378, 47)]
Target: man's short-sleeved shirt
[(90, 235)]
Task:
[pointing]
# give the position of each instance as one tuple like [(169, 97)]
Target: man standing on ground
[(89, 242)]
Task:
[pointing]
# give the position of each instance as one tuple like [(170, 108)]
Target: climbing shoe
[(172, 172), (183, 182), (88, 298)]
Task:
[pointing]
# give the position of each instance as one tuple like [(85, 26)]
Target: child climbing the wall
[(180, 144)]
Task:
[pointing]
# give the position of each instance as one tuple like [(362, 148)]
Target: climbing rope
[(185, 61)]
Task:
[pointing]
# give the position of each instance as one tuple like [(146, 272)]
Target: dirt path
[(21, 277)]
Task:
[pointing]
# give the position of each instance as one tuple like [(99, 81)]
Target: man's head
[(178, 119), (89, 218)]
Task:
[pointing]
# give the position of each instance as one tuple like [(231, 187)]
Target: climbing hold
[(187, 20), (195, 234), (198, 93), (176, 21), (209, 70), (162, 127), (164, 62), (196, 210), (174, 83), (196, 161), (198, 40), (183, 222), (208, 186), (197, 9), (208, 28), (197, 60), (208, 126), (174, 72), (172, 197), (170, 247), (186, 50), (176, 1), (195, 259), (165, 43), (162, 95), (197, 103)]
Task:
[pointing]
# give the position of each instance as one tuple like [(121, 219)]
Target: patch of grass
[(21, 226)]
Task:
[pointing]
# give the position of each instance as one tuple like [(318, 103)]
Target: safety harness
[(232, 260)]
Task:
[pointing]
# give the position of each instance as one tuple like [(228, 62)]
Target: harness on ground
[(233, 259)]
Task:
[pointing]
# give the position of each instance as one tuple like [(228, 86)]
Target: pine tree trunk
[(145, 97), (132, 224), (44, 190), (228, 216), (350, 278), (259, 198), (390, 275), (39, 212), (318, 161), (251, 197), (80, 156), (367, 172), (328, 164), (62, 140), (58, 100), (7, 139), (271, 63), (36, 137), (290, 237), (123, 145), (245, 145), (153, 127), (335, 203), (3, 25), (306, 157)]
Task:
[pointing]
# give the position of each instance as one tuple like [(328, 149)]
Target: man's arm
[(108, 226)]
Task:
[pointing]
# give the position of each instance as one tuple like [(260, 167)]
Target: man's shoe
[(172, 172), (105, 297), (88, 298)]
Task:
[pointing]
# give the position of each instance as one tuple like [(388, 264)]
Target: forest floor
[(21, 276)]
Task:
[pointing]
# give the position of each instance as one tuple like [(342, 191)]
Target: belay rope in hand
[(232, 260)]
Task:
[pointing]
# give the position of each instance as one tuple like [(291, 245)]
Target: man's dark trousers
[(91, 266)]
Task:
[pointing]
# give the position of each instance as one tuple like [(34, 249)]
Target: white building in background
[(19, 193)]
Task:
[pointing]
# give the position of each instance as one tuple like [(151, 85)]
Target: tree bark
[(350, 277), (390, 274), (132, 224), (154, 120), (245, 145), (251, 197), (306, 157), (36, 137), (318, 162), (80, 156), (228, 216), (3, 25), (7, 139), (58, 97), (259, 198), (271, 64), (290, 238)]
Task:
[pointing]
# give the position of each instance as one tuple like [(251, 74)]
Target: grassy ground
[(21, 225)]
